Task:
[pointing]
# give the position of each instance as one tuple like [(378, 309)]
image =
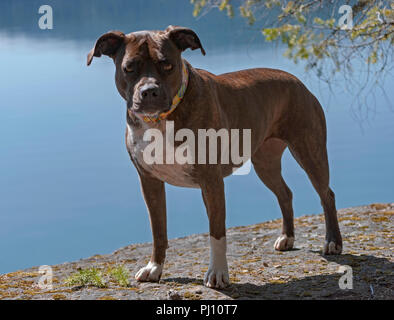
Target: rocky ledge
[(257, 271)]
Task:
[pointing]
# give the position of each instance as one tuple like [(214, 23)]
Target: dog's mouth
[(148, 110), (143, 115)]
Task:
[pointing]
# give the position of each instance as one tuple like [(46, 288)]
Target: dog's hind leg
[(267, 164), (309, 149)]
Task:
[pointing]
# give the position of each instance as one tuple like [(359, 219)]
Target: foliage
[(121, 275), (310, 31), (86, 277)]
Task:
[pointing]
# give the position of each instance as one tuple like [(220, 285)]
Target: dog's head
[(148, 65)]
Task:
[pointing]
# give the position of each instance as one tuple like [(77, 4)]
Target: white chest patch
[(173, 173)]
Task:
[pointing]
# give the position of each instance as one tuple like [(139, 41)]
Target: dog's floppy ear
[(184, 38), (107, 44)]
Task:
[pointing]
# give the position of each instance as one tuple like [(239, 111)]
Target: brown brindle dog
[(275, 105)]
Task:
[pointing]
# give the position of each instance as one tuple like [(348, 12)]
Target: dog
[(158, 86)]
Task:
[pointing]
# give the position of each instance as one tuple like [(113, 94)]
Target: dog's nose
[(149, 91)]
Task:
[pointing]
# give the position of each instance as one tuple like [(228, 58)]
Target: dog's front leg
[(154, 194), (214, 199)]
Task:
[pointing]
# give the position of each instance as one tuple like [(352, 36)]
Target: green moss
[(86, 277), (121, 275)]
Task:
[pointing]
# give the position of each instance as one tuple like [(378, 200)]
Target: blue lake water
[(67, 187)]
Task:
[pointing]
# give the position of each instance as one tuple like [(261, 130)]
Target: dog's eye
[(128, 68), (167, 66), (131, 66)]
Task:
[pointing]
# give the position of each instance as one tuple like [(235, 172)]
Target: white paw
[(284, 243), (217, 274), (217, 278), (151, 272), (332, 248)]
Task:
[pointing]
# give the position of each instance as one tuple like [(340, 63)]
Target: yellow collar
[(176, 100)]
